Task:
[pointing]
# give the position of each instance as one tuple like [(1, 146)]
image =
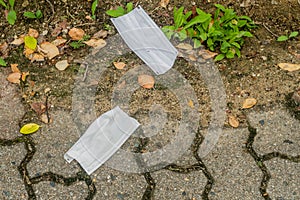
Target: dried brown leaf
[(37, 57), (62, 25), (164, 3), (14, 77), (33, 33), (62, 65), (50, 49), (249, 103), (59, 41), (76, 33), (44, 118), (96, 43), (18, 41), (206, 54), (24, 75), (4, 49), (146, 81), (100, 34), (289, 66), (119, 65), (184, 46), (14, 68), (38, 107)]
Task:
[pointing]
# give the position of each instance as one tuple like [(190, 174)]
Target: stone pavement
[(251, 163)]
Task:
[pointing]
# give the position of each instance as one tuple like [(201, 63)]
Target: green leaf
[(197, 20), (38, 14), (129, 7), (197, 43), (29, 15), (230, 54), (238, 52), (181, 35), (219, 57), (178, 17), (12, 17), (294, 34), (30, 42), (116, 13), (3, 4), (245, 17), (210, 43), (94, 6), (2, 62), (236, 44), (77, 44), (168, 31), (282, 38), (220, 7), (12, 4)]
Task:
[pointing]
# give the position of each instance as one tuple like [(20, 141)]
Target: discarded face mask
[(102, 139), (146, 40)]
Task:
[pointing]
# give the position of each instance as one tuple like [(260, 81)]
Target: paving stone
[(11, 184), (52, 142), (285, 179), (172, 185), (49, 190), (113, 184), (277, 130), (11, 108), (234, 170)]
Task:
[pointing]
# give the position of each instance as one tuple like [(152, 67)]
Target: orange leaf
[(14, 77), (146, 81), (119, 65), (76, 33), (191, 104), (24, 75), (14, 68)]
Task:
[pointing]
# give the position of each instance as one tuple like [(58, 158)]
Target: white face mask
[(146, 40), (102, 139)]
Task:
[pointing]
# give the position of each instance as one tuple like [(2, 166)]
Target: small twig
[(270, 30), (47, 111), (70, 13), (85, 24), (52, 9), (85, 73)]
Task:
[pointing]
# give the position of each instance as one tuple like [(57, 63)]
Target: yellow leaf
[(289, 66), (29, 128), (249, 103), (30, 42)]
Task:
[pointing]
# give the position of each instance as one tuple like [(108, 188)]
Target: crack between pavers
[(47, 176), (260, 159)]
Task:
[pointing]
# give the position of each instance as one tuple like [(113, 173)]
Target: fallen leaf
[(289, 66), (59, 41), (29, 128), (233, 121), (191, 104), (37, 57), (206, 54), (192, 57), (76, 33), (38, 107), (62, 25), (28, 52), (184, 46), (33, 33), (62, 65), (146, 81), (18, 41), (4, 50), (24, 75), (14, 68), (50, 49), (100, 34), (14, 77), (249, 103), (30, 42), (96, 43), (44, 118), (119, 65), (164, 3)]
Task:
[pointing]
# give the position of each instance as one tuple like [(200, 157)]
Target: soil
[(255, 74)]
